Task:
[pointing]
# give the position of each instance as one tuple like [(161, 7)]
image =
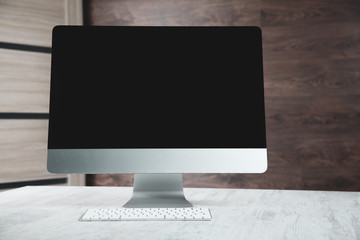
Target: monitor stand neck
[(158, 191)]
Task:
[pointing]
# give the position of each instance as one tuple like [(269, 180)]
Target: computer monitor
[(157, 102)]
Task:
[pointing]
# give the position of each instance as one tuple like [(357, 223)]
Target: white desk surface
[(45, 212)]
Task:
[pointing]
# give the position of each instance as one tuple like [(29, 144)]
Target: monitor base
[(158, 191)]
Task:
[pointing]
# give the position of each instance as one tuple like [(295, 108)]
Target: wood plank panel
[(305, 42), (24, 81), (23, 145), (318, 135), (325, 76), (308, 12), (175, 13), (73, 12), (30, 21)]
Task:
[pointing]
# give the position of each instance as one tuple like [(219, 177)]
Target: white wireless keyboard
[(147, 214)]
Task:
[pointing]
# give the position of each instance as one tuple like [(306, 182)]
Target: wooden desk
[(53, 213)]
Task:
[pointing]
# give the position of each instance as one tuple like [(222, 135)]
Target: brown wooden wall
[(312, 84)]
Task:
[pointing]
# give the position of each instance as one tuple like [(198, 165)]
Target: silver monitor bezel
[(188, 160)]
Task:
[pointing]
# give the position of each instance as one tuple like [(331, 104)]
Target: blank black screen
[(156, 87)]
